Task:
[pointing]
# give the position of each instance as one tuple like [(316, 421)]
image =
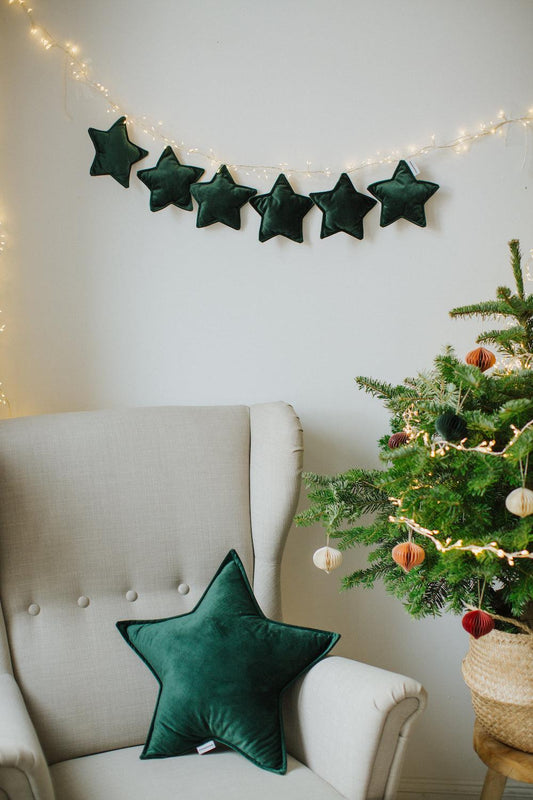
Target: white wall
[(108, 304)]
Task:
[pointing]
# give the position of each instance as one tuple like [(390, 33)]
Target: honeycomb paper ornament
[(408, 555), (398, 439), (451, 426), (478, 623), (327, 558), (481, 357), (520, 502)]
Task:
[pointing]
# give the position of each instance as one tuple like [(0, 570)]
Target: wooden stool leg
[(493, 786)]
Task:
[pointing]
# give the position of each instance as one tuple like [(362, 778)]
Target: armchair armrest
[(348, 722), (24, 772)]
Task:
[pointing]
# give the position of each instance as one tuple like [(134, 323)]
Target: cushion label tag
[(412, 166), (206, 747)]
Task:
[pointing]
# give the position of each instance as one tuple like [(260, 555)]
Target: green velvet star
[(221, 200), (222, 669), (282, 211), (114, 152), (343, 208), (403, 197), (170, 182)]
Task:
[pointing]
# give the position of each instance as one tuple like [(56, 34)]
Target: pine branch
[(506, 337), (490, 308), (381, 389), (516, 259)]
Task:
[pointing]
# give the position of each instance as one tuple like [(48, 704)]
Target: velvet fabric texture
[(221, 200), (282, 211), (222, 669), (115, 154), (170, 182), (343, 208), (403, 196)]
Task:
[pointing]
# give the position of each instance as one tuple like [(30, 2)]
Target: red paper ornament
[(397, 439), (482, 358), (478, 623), (408, 555)]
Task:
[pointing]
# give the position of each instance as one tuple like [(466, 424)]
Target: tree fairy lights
[(448, 545), (77, 68), (441, 448)]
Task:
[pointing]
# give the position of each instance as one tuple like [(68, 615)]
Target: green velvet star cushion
[(403, 196), (282, 211), (222, 669), (343, 208), (115, 154), (220, 200), (170, 182)]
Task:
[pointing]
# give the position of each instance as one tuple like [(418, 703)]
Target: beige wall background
[(107, 304)]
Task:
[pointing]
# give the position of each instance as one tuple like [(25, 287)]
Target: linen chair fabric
[(127, 514)]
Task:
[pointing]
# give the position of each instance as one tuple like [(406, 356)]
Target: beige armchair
[(127, 515)]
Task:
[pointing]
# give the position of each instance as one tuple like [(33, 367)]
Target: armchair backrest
[(127, 514)]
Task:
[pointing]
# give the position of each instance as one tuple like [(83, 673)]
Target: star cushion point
[(222, 669), (282, 211), (221, 200), (115, 154), (403, 196), (170, 182), (343, 208)]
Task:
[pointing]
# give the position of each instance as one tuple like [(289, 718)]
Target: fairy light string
[(77, 69), (441, 448), (448, 545)]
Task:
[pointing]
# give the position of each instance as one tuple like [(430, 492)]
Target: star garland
[(281, 210)]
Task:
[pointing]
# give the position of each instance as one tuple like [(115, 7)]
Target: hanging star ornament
[(403, 196), (282, 211), (343, 208), (115, 154), (221, 200), (170, 182)]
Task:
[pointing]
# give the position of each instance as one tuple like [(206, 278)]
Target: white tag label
[(206, 747), (412, 166)]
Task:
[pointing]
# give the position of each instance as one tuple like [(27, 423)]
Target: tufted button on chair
[(127, 515)]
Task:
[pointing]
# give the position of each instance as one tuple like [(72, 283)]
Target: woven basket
[(498, 670)]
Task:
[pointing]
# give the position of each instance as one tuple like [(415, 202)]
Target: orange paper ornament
[(482, 358), (478, 623), (408, 555)]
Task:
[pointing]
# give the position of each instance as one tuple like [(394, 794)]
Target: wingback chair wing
[(127, 514)]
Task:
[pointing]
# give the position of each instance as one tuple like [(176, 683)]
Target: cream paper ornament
[(520, 502), (327, 558)]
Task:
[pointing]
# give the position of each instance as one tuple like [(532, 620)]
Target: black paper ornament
[(451, 426)]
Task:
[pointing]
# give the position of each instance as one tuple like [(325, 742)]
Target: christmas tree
[(452, 508)]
